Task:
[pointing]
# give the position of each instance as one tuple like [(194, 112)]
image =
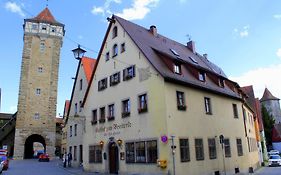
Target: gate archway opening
[(32, 143)]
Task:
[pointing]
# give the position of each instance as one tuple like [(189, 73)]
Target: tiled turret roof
[(45, 16), (268, 96)]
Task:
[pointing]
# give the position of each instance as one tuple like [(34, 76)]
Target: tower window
[(34, 26), (38, 91), (53, 29), (44, 27), (36, 116), (40, 69), (42, 46)]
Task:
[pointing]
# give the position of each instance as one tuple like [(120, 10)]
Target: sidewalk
[(74, 170)]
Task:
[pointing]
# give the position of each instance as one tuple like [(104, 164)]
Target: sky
[(243, 37)]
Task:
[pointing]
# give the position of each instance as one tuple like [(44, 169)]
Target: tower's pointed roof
[(268, 96), (46, 17)]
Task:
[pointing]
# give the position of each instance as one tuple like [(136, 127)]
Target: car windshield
[(274, 157)]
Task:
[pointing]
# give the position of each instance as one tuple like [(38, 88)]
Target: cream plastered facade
[(162, 117), (38, 86), (76, 118)]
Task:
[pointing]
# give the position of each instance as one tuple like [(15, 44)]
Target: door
[(113, 158)]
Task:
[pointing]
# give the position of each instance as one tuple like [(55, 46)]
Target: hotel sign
[(113, 129)]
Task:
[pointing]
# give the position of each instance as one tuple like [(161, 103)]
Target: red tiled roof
[(250, 100), (88, 64), (46, 16), (155, 46), (268, 96)]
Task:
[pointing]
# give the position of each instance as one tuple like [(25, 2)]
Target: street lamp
[(222, 145), (78, 52), (173, 147)]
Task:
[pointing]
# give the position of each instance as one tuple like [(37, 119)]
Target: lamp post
[(173, 147), (78, 52), (222, 145)]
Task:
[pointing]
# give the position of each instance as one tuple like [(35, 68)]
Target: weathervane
[(47, 3)]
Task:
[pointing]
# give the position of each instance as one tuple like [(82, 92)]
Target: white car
[(274, 160), (273, 152), (1, 166)]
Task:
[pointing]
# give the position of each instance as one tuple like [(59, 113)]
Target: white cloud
[(139, 9), (14, 8), (261, 78), (105, 8), (244, 32), (98, 10), (277, 16), (278, 53)]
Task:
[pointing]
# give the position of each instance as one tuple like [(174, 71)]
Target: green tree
[(268, 123)]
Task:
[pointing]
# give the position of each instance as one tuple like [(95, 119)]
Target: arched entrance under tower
[(29, 145)]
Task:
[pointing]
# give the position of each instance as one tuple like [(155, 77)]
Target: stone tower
[(37, 99), (272, 105)]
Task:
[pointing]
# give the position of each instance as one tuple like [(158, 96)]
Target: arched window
[(115, 50), (114, 32)]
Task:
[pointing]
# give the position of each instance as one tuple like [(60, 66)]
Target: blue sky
[(243, 37)]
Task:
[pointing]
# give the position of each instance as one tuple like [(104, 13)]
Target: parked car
[(1, 166), (274, 160), (273, 152), (5, 161), (44, 158)]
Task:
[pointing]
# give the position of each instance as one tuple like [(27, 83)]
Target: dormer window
[(175, 53), (202, 76), (221, 82), (115, 50), (177, 68), (114, 32), (193, 60)]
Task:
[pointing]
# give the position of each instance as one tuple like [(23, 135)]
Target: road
[(30, 167), (269, 171)]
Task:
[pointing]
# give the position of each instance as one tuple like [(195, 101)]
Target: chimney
[(153, 30), (191, 46), (205, 55)]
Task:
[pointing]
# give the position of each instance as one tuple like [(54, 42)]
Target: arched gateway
[(29, 145)]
